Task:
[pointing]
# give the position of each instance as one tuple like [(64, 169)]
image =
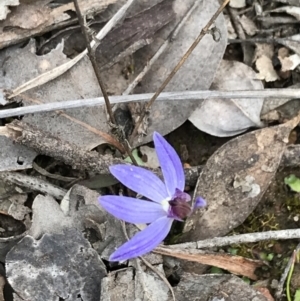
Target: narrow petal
[(144, 241), (199, 202), (131, 210), (170, 164), (141, 181), (183, 196)]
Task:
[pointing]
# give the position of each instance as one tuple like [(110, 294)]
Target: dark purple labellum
[(180, 209)]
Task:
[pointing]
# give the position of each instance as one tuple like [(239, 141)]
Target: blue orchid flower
[(166, 201)]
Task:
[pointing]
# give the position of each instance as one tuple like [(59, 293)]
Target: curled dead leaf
[(234, 180)]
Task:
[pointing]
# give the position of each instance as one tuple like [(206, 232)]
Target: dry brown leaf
[(289, 62), (234, 180), (265, 291), (235, 264), (229, 117), (266, 70), (28, 20)]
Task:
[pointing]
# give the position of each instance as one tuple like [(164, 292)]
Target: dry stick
[(91, 55), (33, 183), (70, 154), (238, 239), (47, 174), (177, 67), (255, 40), (175, 96), (161, 49), (162, 277)]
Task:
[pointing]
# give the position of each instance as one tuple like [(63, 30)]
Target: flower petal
[(144, 241), (183, 196), (170, 164), (199, 202), (131, 210), (141, 181)]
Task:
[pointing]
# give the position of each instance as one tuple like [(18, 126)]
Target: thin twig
[(92, 57), (141, 275), (177, 67), (240, 239), (108, 138), (175, 96), (161, 276), (45, 173), (253, 41), (33, 183), (70, 154), (112, 22), (282, 41), (94, 63)]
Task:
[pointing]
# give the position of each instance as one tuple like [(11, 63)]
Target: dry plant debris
[(55, 238), (235, 178)]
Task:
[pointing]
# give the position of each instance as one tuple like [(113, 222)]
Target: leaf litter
[(235, 178), (230, 117), (73, 86), (236, 192)]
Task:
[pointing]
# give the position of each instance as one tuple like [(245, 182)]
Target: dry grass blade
[(47, 76), (235, 264)]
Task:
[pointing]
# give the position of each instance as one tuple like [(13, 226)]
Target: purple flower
[(168, 201)]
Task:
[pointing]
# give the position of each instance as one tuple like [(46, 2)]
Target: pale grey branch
[(175, 96), (240, 239)]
